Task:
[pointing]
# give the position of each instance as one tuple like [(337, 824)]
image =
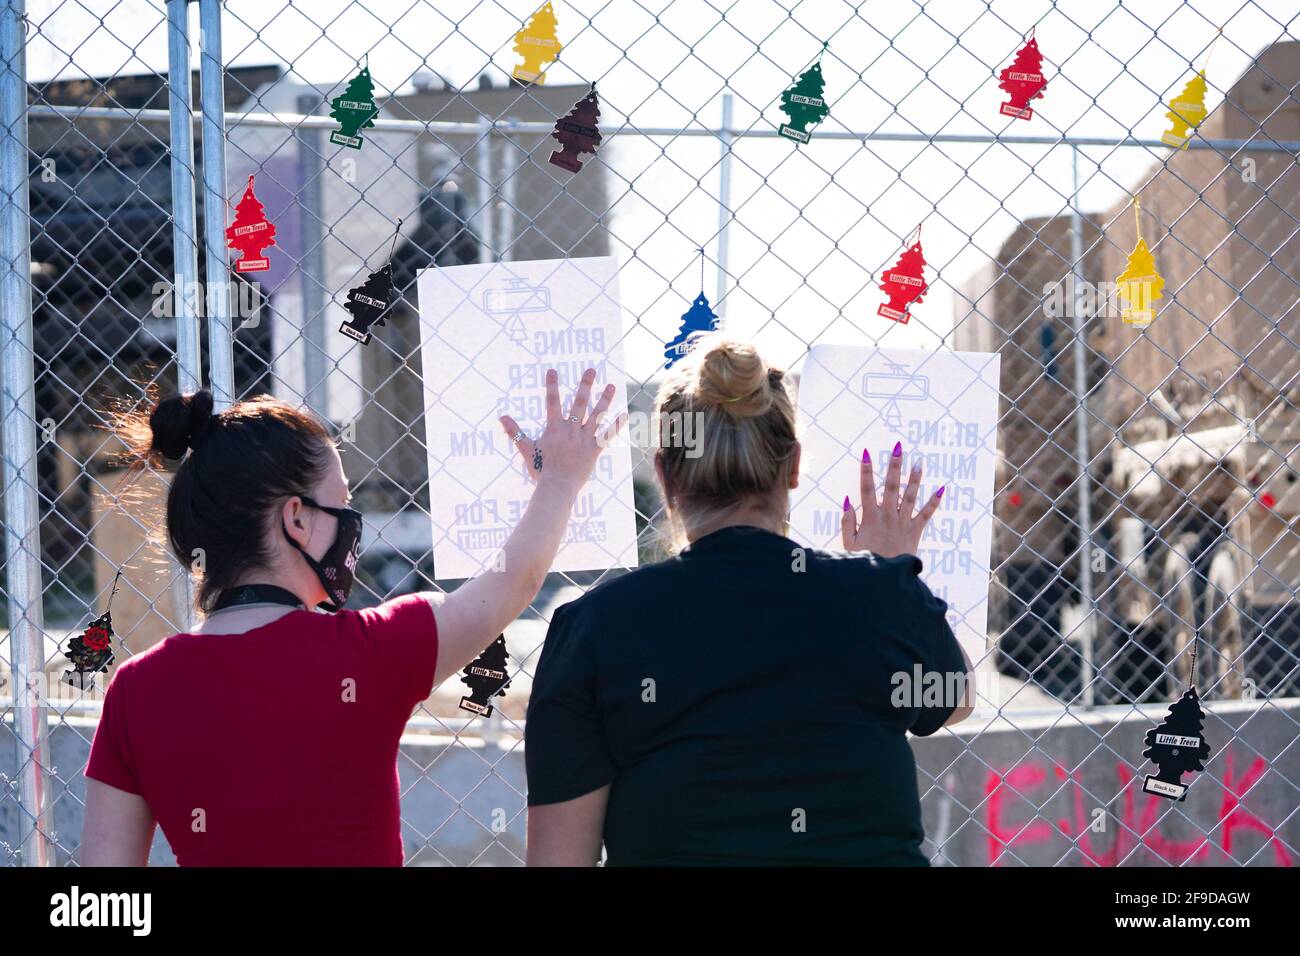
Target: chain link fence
[(1146, 494)]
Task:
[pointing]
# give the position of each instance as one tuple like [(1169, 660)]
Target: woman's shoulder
[(885, 582), (619, 588), (905, 567), (154, 663), (416, 607), (658, 582)]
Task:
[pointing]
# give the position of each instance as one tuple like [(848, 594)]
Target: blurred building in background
[(1038, 472), (1193, 425)]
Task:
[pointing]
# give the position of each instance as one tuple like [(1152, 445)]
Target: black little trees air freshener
[(1176, 747), (486, 678), (368, 302), (92, 652)]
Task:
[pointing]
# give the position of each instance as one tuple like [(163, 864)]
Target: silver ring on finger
[(575, 419), (519, 436)]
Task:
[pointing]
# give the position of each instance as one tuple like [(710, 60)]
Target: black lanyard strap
[(256, 594)]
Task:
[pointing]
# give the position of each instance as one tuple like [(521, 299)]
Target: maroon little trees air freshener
[(577, 132)]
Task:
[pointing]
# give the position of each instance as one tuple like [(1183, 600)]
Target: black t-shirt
[(741, 698)]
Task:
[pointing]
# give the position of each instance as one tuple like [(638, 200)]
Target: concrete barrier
[(1040, 789), (1065, 789)]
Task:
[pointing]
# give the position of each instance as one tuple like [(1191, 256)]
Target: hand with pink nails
[(888, 527)]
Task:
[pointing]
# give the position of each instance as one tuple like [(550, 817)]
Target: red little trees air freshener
[(250, 233), (1023, 81), (904, 284)]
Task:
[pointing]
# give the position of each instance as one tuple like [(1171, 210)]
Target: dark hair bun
[(181, 422)]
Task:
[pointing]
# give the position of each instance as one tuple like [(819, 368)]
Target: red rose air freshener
[(1023, 81), (486, 677), (250, 233), (904, 284), (92, 652)]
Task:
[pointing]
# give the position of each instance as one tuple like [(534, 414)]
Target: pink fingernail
[(939, 493), (898, 449), (847, 506), (866, 457)]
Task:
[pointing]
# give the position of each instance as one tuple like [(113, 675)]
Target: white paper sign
[(943, 407), (488, 333)]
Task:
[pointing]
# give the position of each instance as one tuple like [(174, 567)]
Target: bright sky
[(815, 224)]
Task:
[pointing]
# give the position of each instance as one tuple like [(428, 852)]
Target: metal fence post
[(221, 363), (18, 411), (484, 190), (724, 202), (315, 348), (1082, 449), (185, 247), (509, 193)]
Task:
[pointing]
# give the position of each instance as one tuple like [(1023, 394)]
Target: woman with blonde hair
[(735, 704)]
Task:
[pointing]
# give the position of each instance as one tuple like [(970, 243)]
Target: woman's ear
[(293, 518), (794, 465)]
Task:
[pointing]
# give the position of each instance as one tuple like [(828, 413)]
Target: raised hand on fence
[(888, 527), (561, 459), (568, 447)]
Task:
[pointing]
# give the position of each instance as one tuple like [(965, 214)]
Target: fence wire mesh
[(1146, 494)]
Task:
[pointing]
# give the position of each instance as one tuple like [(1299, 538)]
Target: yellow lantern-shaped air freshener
[(1186, 111), (1140, 284), (538, 45)]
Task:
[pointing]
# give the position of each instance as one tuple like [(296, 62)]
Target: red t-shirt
[(276, 747)]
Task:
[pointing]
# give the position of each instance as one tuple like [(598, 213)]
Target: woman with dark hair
[(746, 701), (269, 736)]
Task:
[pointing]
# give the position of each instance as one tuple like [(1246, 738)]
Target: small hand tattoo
[(537, 459)]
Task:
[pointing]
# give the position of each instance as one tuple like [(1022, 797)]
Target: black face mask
[(336, 567)]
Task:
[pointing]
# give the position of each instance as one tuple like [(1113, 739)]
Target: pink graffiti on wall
[(1001, 789)]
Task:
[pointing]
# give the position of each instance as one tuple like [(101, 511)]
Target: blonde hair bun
[(732, 377), (745, 444)]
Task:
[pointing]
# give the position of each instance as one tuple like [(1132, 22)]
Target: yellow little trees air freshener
[(1186, 111), (1139, 285), (538, 45)]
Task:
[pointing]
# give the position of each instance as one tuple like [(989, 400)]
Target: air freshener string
[(1210, 53), (113, 593), (393, 249)]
